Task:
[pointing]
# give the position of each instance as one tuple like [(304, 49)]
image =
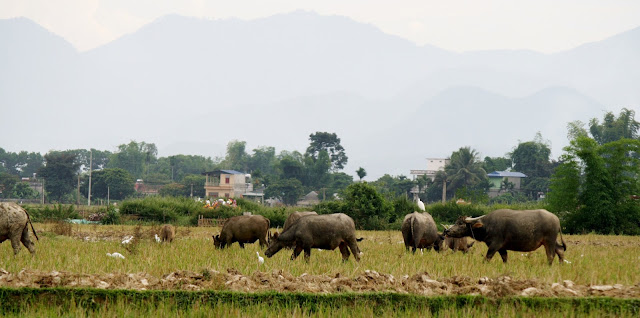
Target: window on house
[(226, 180), (226, 195), (213, 194)]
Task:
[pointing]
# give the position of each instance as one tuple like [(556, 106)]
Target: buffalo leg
[(15, 243), (26, 241), (307, 254), (490, 252), (503, 254), (241, 245), (560, 251), (551, 253), (296, 252), (344, 250)]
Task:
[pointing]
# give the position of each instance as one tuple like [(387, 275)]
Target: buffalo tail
[(32, 229)]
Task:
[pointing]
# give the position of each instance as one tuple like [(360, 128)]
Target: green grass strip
[(16, 300)]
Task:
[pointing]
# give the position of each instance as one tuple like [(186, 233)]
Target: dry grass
[(595, 259)]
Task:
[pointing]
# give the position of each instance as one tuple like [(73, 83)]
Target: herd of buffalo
[(501, 230)]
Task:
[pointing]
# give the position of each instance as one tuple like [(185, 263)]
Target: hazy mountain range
[(191, 85)]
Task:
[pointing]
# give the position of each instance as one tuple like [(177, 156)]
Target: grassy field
[(594, 259), (81, 250)]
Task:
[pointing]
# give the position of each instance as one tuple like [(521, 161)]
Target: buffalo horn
[(469, 220)]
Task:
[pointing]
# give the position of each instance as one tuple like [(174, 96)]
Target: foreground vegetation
[(60, 302)]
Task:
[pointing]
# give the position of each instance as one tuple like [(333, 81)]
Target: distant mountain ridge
[(182, 81)]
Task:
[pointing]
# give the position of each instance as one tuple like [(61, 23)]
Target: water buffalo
[(243, 229), (420, 231), (14, 226), (167, 233), (455, 243), (293, 217), (522, 231), (325, 232)]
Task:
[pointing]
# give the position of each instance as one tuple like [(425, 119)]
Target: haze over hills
[(192, 85)]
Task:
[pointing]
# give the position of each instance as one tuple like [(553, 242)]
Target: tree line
[(593, 186)]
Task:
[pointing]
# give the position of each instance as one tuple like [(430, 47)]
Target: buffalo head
[(465, 226), (275, 246), (217, 242)]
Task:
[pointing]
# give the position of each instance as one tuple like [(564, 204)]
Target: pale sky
[(545, 26)]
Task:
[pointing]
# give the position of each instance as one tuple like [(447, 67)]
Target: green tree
[(331, 144), (263, 159), (23, 163), (289, 191), (361, 173), (339, 182), (134, 157), (7, 184), (112, 183), (464, 169), (497, 164), (291, 166), (532, 159), (612, 128), (611, 174), (565, 185), (60, 171), (195, 183), (366, 206), (22, 190), (172, 190), (392, 187), (237, 157)]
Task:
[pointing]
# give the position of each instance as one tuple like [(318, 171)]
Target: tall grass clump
[(161, 209), (42, 213)]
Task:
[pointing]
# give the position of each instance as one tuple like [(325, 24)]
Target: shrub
[(112, 216), (51, 213)]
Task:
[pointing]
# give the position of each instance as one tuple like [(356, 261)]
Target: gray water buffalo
[(14, 226), (167, 233), (325, 232), (243, 229), (293, 217), (522, 231), (420, 231)]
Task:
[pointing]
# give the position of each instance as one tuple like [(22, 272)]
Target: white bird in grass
[(260, 258), (115, 255), (157, 238), (127, 239)]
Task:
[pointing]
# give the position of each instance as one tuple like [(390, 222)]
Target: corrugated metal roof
[(231, 172), (217, 172), (507, 174)]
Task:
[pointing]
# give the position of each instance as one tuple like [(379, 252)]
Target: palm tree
[(464, 169), (361, 173)]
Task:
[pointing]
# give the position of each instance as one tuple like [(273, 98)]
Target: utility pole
[(107, 195), (78, 191), (42, 190), (192, 190), (90, 168), (444, 191)]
